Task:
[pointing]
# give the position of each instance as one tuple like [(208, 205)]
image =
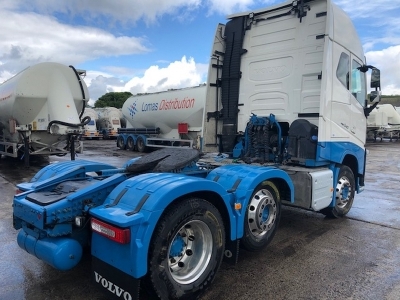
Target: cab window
[(358, 88), (342, 71)]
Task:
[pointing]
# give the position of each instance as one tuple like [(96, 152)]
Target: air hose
[(85, 121)]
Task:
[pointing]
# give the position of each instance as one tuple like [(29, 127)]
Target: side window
[(342, 71), (358, 85)]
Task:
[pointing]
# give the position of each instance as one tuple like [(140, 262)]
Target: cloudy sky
[(153, 45)]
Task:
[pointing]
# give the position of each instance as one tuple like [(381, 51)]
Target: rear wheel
[(121, 142), (186, 250), (140, 145), (262, 217), (130, 143), (345, 191)]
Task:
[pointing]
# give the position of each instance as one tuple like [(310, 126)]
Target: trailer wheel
[(345, 191), (262, 217), (140, 145), (186, 250), (121, 142), (130, 143), (105, 135)]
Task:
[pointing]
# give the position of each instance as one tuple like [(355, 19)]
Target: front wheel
[(262, 217), (345, 191), (186, 250)]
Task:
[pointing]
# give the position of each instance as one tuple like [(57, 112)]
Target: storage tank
[(167, 110), (40, 108)]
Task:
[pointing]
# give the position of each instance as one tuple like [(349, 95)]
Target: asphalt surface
[(311, 257)]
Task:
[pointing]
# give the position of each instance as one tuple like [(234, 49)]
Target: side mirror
[(375, 78), (375, 96)]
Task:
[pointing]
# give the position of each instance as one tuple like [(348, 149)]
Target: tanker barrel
[(43, 103), (166, 110), (44, 93)]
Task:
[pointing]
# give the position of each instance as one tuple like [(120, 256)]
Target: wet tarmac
[(311, 257)]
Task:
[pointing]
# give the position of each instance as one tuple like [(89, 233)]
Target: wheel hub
[(190, 252), (343, 192), (261, 213), (177, 246)]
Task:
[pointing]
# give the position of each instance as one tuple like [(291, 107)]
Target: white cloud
[(229, 6), (121, 12), (31, 34), (178, 74), (128, 11), (100, 83), (377, 20), (30, 38), (371, 10), (388, 61)]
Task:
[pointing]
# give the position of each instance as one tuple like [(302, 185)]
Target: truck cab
[(302, 63)]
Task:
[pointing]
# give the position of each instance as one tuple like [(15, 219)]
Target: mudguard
[(242, 180), (138, 203)]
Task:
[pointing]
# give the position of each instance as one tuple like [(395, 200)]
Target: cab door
[(358, 94)]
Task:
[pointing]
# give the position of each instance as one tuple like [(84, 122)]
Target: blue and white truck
[(285, 116)]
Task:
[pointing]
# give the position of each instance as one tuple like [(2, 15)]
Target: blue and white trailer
[(172, 118), (285, 116)]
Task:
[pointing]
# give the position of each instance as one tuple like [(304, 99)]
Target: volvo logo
[(111, 287)]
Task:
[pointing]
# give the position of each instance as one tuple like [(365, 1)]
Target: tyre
[(130, 143), (121, 142), (345, 191), (186, 250), (262, 217), (140, 145)]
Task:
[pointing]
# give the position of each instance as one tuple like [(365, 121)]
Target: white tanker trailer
[(108, 121), (166, 119), (384, 122), (40, 111), (91, 131)]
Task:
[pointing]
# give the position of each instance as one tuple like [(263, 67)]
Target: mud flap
[(231, 254), (113, 282)]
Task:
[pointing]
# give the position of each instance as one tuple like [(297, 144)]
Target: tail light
[(114, 233)]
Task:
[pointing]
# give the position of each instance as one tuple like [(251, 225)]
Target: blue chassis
[(140, 202)]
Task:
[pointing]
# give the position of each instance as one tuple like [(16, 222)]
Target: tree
[(112, 99)]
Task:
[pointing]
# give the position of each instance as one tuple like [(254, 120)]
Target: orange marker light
[(238, 206)]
